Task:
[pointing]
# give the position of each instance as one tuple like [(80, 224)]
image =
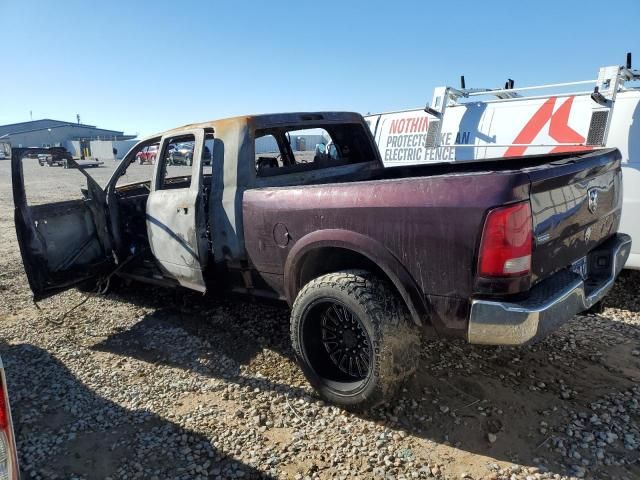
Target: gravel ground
[(150, 383)]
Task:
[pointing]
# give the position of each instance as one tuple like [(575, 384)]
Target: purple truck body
[(424, 231), (273, 226)]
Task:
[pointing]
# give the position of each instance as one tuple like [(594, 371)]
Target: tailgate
[(576, 205)]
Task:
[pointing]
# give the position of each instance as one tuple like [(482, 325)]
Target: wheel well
[(332, 259)]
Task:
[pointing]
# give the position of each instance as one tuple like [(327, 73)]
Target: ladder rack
[(609, 82)]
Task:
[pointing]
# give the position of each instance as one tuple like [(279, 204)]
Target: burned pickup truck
[(369, 258)]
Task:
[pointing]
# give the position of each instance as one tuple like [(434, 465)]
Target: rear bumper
[(551, 302)]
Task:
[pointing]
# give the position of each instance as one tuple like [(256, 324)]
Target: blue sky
[(145, 66)]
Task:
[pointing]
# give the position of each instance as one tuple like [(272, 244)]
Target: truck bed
[(430, 217), (559, 187)]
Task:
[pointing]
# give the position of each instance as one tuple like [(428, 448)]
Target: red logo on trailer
[(559, 129), (409, 125)]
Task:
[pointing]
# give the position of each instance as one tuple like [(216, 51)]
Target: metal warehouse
[(80, 139)]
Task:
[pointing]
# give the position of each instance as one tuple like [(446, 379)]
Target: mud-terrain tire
[(354, 308)]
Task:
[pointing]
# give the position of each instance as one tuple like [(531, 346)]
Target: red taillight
[(9, 469), (505, 249)]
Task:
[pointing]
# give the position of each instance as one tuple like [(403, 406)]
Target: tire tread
[(398, 339)]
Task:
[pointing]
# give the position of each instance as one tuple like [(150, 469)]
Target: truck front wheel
[(353, 338)]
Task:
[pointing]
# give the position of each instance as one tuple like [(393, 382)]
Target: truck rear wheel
[(353, 338)]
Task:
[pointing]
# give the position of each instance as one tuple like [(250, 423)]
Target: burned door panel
[(59, 242), (173, 213), (68, 234), (172, 235)]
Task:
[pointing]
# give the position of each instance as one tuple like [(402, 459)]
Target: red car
[(147, 155)]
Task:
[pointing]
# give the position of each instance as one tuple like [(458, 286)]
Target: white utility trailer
[(463, 124)]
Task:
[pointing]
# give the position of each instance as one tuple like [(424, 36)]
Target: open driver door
[(62, 243)]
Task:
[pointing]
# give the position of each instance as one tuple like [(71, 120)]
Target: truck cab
[(182, 215)]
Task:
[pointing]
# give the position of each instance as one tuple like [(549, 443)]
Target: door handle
[(184, 210)]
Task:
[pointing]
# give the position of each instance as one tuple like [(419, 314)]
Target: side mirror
[(321, 148)]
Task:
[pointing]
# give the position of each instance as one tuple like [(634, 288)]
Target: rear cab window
[(285, 150)]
